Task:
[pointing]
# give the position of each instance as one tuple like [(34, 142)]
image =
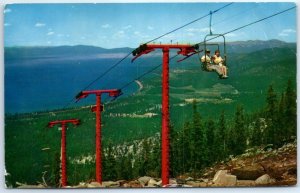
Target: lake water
[(44, 84)]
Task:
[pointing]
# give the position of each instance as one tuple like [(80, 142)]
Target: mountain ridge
[(29, 52)]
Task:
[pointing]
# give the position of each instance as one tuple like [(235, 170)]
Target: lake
[(41, 84)]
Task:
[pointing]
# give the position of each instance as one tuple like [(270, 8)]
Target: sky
[(130, 24)]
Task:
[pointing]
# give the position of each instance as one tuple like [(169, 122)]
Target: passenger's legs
[(218, 69), (225, 70)]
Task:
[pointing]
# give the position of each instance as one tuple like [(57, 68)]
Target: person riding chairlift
[(210, 66), (218, 60)]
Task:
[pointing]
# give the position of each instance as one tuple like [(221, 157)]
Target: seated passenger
[(206, 58), (208, 65), (218, 60)]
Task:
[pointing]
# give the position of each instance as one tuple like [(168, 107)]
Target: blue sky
[(128, 25)]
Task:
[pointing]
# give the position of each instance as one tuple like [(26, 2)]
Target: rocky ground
[(257, 167)]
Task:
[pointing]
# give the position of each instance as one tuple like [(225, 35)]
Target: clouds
[(193, 34), (127, 27), (283, 34), (150, 28), (199, 30), (50, 33), (6, 11), (140, 35), (105, 26), (286, 32), (39, 24), (119, 34), (289, 31)]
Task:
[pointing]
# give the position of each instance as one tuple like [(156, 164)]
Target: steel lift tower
[(187, 51), (63, 124), (97, 109)]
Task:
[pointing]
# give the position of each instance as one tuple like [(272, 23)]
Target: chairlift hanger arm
[(142, 53), (64, 122), (184, 49), (189, 56), (110, 92)]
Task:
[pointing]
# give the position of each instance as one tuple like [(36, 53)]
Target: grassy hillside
[(138, 116)]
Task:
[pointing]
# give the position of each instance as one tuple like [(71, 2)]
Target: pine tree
[(155, 158), (146, 155), (182, 149), (109, 163), (56, 170), (282, 129), (239, 133), (271, 103), (185, 148), (231, 139), (220, 138), (257, 135), (203, 150), (123, 163), (210, 147), (271, 113), (196, 139), (144, 158), (127, 167), (291, 110), (174, 152), (137, 161)]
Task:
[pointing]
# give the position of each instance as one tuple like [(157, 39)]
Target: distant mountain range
[(256, 45), (81, 51), (62, 51)]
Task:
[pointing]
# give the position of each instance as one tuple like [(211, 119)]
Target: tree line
[(200, 143)]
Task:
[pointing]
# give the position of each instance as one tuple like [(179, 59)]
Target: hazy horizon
[(134, 47)]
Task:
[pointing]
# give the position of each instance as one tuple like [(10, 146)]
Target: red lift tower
[(97, 109), (187, 51), (63, 124)]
